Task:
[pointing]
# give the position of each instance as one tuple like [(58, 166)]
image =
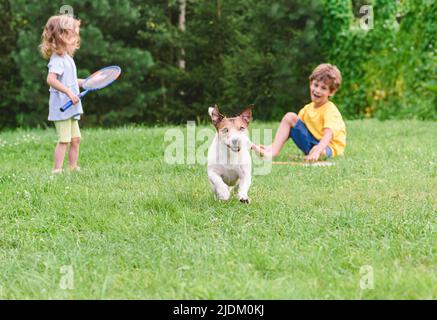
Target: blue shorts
[(303, 138)]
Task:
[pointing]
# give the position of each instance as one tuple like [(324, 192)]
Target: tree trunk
[(219, 9), (182, 11)]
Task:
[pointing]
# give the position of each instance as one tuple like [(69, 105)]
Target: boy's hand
[(320, 148), (314, 155)]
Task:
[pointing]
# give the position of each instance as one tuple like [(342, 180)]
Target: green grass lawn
[(131, 226)]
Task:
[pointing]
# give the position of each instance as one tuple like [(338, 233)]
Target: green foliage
[(270, 65), (9, 78), (386, 69), (108, 37), (236, 53)]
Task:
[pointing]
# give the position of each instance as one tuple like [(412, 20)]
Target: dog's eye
[(224, 130), (242, 128)]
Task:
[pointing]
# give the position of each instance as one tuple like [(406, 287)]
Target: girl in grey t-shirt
[(60, 40)]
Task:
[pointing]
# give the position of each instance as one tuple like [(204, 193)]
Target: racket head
[(102, 78)]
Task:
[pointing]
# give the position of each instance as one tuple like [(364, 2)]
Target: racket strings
[(102, 78)]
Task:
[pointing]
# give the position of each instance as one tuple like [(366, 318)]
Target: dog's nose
[(235, 141)]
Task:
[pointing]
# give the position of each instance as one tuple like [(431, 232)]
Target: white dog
[(229, 161)]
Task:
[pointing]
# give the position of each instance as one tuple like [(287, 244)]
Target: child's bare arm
[(80, 81), (321, 146), (52, 80)]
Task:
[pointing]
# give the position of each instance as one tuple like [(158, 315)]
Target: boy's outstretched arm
[(320, 148)]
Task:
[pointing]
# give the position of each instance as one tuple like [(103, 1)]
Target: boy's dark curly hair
[(329, 74)]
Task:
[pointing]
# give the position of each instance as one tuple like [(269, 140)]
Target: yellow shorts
[(67, 130)]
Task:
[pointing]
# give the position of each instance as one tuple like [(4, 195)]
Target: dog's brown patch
[(232, 123), (241, 121)]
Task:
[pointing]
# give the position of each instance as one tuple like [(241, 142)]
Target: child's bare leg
[(73, 154), (59, 155), (282, 135)]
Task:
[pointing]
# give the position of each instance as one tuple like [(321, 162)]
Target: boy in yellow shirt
[(318, 130)]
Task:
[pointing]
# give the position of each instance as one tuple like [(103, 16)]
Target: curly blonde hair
[(60, 36), (329, 74)]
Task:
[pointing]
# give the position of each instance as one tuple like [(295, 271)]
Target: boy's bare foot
[(76, 168), (263, 151)]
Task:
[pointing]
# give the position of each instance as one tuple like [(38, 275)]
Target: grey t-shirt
[(65, 68)]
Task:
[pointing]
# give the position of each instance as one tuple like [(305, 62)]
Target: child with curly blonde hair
[(60, 40)]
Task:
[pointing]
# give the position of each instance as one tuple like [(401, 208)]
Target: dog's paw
[(223, 196), (245, 200)]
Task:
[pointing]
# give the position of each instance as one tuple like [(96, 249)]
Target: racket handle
[(70, 103), (66, 106)]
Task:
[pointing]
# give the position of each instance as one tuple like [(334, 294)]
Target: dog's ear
[(246, 114), (215, 115)]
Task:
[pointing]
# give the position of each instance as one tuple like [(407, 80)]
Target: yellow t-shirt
[(325, 116)]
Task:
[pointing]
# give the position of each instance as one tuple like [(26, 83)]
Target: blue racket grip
[(70, 103)]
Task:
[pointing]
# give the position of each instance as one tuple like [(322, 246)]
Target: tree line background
[(180, 56)]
